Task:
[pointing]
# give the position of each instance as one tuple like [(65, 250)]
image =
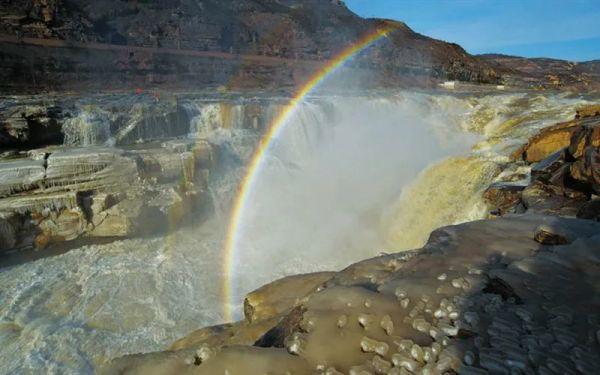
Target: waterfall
[(122, 121), (89, 127), (205, 118), (338, 164), (348, 177), (451, 191)]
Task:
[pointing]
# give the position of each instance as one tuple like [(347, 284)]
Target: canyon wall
[(185, 44)]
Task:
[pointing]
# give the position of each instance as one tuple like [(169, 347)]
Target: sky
[(564, 29)]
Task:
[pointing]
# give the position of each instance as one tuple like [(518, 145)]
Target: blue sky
[(565, 29)]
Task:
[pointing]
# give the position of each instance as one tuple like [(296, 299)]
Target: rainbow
[(254, 167)]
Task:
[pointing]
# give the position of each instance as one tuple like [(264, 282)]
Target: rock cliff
[(127, 169), (186, 44), (74, 45)]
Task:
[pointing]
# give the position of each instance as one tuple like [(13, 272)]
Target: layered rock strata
[(108, 166), (30, 122), (61, 194), (113, 45)]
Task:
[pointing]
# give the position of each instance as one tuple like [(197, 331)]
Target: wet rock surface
[(565, 171), (59, 195), (116, 166), (481, 297), (278, 297), (503, 196)]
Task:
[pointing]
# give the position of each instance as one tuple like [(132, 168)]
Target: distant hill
[(115, 44), (545, 72)]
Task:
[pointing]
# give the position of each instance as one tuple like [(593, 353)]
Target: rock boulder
[(547, 142), (503, 196), (588, 111), (590, 210), (575, 135), (280, 296), (562, 182)]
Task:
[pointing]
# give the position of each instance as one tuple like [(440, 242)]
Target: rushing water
[(348, 178)]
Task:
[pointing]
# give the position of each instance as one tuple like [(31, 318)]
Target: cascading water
[(89, 127), (349, 177), (338, 164), (205, 118), (451, 191)]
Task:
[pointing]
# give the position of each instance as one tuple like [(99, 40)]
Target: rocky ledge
[(56, 194), (565, 171), (514, 295)]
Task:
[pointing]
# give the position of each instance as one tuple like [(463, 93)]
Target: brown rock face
[(566, 173), (55, 196), (546, 235), (545, 73), (547, 142), (67, 225), (105, 44), (546, 169), (588, 111), (547, 199), (575, 135), (584, 137), (503, 196), (185, 44)]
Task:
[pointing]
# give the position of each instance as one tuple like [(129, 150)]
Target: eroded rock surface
[(263, 309), (276, 298), (481, 297), (565, 171), (503, 196), (549, 141), (61, 194)]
